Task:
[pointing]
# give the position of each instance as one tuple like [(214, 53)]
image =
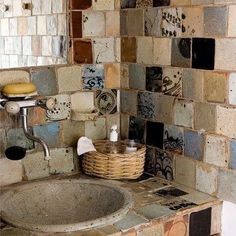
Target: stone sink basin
[(64, 205)]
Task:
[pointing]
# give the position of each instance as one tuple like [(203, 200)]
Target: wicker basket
[(118, 165)]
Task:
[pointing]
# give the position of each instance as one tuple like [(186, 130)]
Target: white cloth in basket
[(84, 145)]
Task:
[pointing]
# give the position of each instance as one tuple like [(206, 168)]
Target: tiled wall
[(178, 89), (33, 33), (91, 79)]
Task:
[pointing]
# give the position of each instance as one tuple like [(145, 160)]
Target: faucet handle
[(50, 103), (12, 107)]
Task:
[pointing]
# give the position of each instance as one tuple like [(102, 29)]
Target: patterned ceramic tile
[(93, 76), (104, 50), (171, 22), (178, 204), (106, 101), (128, 4), (136, 129), (150, 160), (164, 165), (172, 81), (61, 110), (173, 139), (181, 52), (154, 79), (154, 134), (146, 105), (144, 3), (170, 192), (152, 22)]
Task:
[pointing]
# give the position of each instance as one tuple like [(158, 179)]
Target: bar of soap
[(19, 88)]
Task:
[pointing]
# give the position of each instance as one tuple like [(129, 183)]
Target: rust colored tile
[(82, 51), (80, 4), (128, 49), (76, 24)]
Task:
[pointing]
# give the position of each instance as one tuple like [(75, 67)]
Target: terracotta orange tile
[(112, 75), (76, 24), (36, 116), (82, 51), (128, 49)]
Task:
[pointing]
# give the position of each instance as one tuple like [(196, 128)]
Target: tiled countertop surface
[(160, 208)]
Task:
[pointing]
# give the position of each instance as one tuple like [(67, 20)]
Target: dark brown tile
[(80, 4), (76, 24), (128, 49), (82, 51)]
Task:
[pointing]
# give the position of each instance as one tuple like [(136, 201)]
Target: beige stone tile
[(102, 5), (82, 101), (112, 75), (226, 114), (206, 178), (216, 212), (10, 171), (117, 50), (145, 50), (205, 116), (69, 78), (154, 230), (231, 21), (112, 23), (96, 129), (181, 175), (162, 51), (216, 150), (215, 87)]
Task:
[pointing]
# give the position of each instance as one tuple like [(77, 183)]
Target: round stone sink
[(64, 205)]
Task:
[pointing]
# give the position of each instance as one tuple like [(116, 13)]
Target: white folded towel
[(84, 145)]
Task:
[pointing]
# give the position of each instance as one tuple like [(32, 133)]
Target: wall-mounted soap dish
[(84, 115)]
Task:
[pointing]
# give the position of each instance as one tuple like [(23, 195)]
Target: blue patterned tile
[(106, 101), (49, 133), (45, 81), (173, 139), (193, 144), (146, 106), (93, 76), (233, 154)]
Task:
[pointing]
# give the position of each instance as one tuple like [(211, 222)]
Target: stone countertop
[(156, 203)]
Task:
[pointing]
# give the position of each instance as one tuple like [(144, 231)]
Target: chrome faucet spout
[(23, 114)]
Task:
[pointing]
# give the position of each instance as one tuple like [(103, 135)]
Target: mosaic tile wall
[(86, 92), (178, 89), (32, 33)]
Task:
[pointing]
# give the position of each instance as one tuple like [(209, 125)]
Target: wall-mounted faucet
[(21, 105)]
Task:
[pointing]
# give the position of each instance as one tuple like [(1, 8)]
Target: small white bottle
[(114, 134)]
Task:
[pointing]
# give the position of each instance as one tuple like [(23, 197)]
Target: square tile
[(183, 113), (203, 53), (193, 144), (216, 212), (152, 21), (103, 5), (112, 75), (162, 51), (206, 178), (145, 50), (146, 105), (181, 52), (104, 50), (200, 223), (44, 80), (144, 3), (112, 23), (154, 79), (216, 150), (137, 76), (154, 134), (61, 110), (82, 51), (172, 81), (93, 24), (128, 4), (93, 76), (178, 204), (150, 160), (76, 24), (232, 88), (129, 102), (232, 163), (95, 129), (173, 139), (124, 22), (135, 25), (212, 25), (136, 129), (80, 4), (154, 211), (231, 13), (106, 101), (128, 49), (82, 101)]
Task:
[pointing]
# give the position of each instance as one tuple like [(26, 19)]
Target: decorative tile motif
[(128, 4), (145, 105), (93, 77), (144, 3), (152, 22), (154, 79), (178, 204), (181, 52), (203, 52), (154, 134), (172, 81), (136, 129), (200, 223), (193, 144), (169, 192), (171, 22), (61, 110), (164, 165), (106, 101), (173, 139)]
